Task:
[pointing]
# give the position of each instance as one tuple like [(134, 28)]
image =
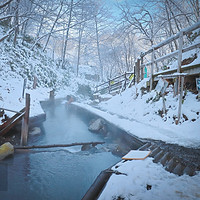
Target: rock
[(86, 147), (35, 131), (96, 126), (6, 149)]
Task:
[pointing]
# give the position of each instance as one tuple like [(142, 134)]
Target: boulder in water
[(96, 126)]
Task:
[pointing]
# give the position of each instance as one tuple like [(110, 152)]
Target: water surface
[(57, 173)]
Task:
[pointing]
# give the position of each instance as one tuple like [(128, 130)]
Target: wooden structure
[(120, 83), (117, 84), (8, 124), (25, 122), (15, 119), (154, 70)]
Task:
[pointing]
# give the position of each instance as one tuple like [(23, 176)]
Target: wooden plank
[(10, 125), (10, 120), (10, 110)]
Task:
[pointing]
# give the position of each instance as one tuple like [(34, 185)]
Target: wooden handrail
[(108, 85), (172, 38)]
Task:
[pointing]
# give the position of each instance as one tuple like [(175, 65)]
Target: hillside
[(19, 63)]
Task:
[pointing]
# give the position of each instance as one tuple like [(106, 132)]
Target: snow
[(138, 114), (138, 174), (136, 155), (134, 110)]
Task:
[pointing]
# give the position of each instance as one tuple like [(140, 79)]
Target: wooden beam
[(11, 110), (58, 145), (4, 128), (10, 124)]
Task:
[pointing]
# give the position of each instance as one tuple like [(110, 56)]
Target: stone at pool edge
[(96, 125), (6, 149)]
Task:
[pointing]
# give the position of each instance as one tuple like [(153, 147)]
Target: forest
[(107, 35)]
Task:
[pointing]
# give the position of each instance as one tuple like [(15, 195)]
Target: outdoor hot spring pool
[(57, 173)]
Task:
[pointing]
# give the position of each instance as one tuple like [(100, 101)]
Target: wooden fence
[(117, 84), (178, 53)]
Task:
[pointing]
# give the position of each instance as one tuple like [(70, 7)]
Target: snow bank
[(143, 179)]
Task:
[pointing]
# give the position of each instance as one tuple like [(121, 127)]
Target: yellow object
[(112, 82), (131, 77), (6, 149)]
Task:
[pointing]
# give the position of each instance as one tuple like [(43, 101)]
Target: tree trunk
[(80, 33), (50, 33), (16, 24), (98, 48), (67, 34)]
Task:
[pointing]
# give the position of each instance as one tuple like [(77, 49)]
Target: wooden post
[(180, 48), (24, 87), (156, 64), (142, 68), (138, 66), (51, 97), (109, 87), (180, 100), (134, 73), (125, 80), (152, 68), (25, 122), (164, 106), (34, 82)]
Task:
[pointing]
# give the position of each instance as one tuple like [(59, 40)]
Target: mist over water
[(57, 173)]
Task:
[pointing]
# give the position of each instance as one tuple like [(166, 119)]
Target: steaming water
[(57, 173)]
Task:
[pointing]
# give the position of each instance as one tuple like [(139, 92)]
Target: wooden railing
[(178, 53), (117, 84)]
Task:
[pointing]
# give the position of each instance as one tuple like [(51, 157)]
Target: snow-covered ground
[(138, 114), (138, 175)]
